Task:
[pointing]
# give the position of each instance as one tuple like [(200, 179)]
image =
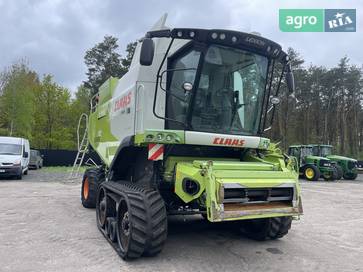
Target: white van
[(14, 156)]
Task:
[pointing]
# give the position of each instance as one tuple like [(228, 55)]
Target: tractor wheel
[(350, 176), (92, 178), (311, 173), (331, 176), (267, 228), (339, 171), (141, 223)]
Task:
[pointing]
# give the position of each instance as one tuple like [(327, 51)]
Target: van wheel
[(26, 172)]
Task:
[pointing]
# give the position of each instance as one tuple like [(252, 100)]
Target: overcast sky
[(53, 35)]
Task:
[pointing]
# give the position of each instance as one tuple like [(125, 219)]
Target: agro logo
[(228, 141), (341, 20)]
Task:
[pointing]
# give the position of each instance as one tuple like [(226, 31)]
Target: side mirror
[(147, 52), (26, 155), (290, 81)]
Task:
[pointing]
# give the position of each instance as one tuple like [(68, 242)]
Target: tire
[(350, 176), (92, 178), (332, 176), (267, 228), (141, 223), (26, 172), (339, 170), (311, 173), (204, 216)]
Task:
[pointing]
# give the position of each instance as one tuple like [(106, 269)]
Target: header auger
[(182, 133)]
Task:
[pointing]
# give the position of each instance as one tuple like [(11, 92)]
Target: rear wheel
[(92, 178), (267, 228), (339, 170), (311, 173), (331, 175)]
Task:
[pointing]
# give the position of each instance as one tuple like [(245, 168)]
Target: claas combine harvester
[(182, 133)]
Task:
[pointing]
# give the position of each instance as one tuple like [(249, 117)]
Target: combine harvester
[(181, 133)]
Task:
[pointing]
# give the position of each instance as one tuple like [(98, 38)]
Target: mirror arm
[(171, 70), (261, 129), (277, 93)]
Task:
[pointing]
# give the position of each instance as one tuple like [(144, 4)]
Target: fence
[(64, 157)]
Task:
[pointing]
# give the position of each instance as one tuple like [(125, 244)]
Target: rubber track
[(148, 216)]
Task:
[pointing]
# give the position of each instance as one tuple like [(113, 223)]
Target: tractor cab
[(322, 150), (346, 167), (312, 166)]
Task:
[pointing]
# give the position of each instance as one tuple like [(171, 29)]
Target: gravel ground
[(44, 228)]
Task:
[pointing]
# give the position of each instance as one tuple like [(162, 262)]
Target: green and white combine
[(181, 134)]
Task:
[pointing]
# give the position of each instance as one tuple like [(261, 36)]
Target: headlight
[(17, 163)]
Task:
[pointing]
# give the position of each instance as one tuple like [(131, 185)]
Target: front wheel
[(267, 228), (350, 176), (311, 173)]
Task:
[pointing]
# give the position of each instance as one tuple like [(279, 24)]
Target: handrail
[(83, 116)]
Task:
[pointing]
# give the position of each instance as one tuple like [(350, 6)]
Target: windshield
[(10, 149), (306, 151), (228, 91), (325, 151)]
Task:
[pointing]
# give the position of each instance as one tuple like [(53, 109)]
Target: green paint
[(213, 173)]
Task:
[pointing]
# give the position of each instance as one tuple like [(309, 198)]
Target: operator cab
[(220, 81)]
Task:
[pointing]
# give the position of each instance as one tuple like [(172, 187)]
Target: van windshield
[(10, 149)]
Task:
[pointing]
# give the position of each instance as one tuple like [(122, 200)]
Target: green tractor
[(312, 167), (346, 167), (182, 133)]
